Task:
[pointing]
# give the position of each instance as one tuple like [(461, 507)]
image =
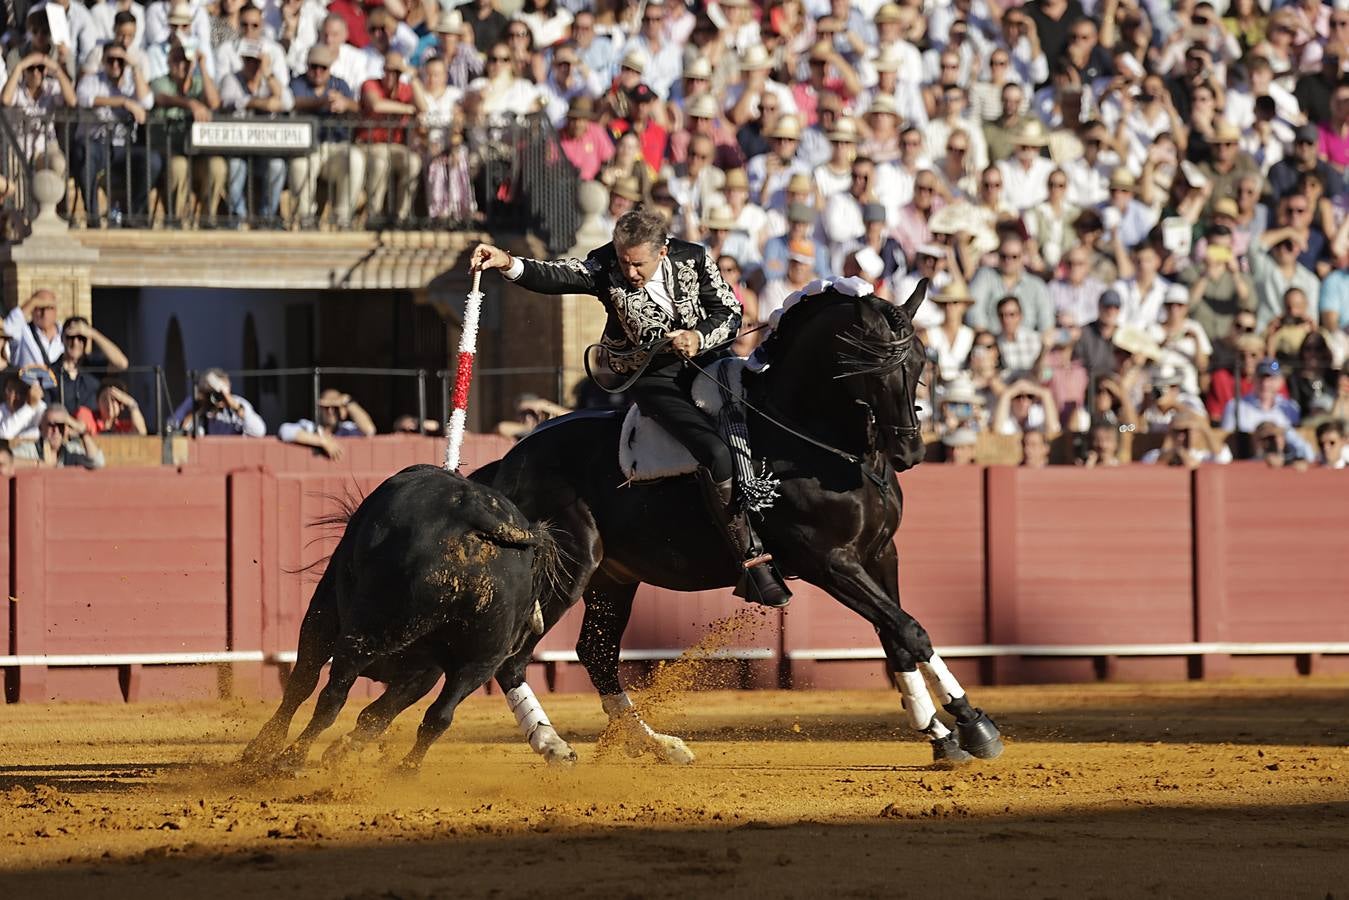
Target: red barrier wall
[(1272, 566), (386, 453), (1089, 557), (129, 561), (941, 582)]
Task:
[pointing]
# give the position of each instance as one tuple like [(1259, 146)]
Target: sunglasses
[(504, 59), (55, 426), (1058, 184)]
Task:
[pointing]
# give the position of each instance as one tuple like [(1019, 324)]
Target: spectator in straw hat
[(623, 196), (881, 140), (745, 99), (721, 236), (1228, 162), (585, 142), (565, 83), (614, 103), (339, 417), (906, 95), (703, 117), (769, 172), (800, 188), (449, 41), (952, 339), (750, 219), (1025, 177), (1126, 219)]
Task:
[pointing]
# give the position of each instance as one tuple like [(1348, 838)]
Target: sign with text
[(261, 137)]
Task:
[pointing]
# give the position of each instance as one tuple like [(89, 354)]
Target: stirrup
[(760, 560)]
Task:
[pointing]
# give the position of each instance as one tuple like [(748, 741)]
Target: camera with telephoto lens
[(216, 399)]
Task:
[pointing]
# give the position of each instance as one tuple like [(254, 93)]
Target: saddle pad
[(647, 452)]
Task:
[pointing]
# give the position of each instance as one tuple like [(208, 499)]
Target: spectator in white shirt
[(1077, 291), (34, 331), (256, 88), (1144, 291), (39, 86), (23, 404), (952, 339), (228, 56), (120, 97), (1025, 177)]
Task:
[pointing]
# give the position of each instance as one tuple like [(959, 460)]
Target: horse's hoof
[(672, 750), (563, 756), (408, 770), (290, 762), (980, 737), (948, 754)]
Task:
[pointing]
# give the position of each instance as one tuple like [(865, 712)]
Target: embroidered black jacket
[(702, 300)]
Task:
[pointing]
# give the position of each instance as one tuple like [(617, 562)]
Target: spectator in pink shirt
[(1334, 144), (584, 141), (912, 229)]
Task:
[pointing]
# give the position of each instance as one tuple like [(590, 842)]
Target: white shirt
[(1089, 185), (24, 347), (1023, 188), (950, 356), (1139, 309), (21, 422)]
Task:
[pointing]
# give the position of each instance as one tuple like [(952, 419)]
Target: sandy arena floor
[(1231, 790)]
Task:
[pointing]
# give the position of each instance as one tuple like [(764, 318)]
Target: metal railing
[(319, 377), (506, 174)]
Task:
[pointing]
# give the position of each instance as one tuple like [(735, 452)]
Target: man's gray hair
[(640, 226)]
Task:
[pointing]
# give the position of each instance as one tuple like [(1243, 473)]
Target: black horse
[(843, 371)]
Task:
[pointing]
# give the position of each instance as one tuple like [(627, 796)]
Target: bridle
[(881, 357)]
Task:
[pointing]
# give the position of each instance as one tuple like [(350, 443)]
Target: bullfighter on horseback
[(670, 315)]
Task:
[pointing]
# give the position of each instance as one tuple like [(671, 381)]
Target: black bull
[(410, 592)]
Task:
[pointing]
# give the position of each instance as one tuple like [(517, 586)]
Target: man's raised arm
[(570, 276)]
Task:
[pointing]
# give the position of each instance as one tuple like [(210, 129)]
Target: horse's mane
[(870, 347)]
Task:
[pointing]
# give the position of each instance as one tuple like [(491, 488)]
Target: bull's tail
[(550, 569)]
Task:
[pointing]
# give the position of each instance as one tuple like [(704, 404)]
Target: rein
[(651, 350)]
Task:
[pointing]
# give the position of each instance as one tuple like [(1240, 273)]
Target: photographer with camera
[(214, 410)]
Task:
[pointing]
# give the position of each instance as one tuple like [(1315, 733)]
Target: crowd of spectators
[(1133, 213)]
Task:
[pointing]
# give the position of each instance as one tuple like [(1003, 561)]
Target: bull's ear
[(916, 298)]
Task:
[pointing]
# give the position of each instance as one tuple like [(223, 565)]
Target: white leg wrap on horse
[(918, 703), (529, 715), (940, 679)]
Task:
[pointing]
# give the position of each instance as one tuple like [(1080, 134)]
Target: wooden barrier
[(116, 562), (941, 583), (1078, 556), (1271, 563), (1127, 573)]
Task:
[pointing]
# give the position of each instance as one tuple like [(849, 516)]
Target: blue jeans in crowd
[(270, 172), (93, 156)]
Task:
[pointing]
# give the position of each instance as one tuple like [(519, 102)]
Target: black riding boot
[(759, 580)]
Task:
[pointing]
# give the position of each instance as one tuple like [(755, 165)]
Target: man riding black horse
[(670, 315)]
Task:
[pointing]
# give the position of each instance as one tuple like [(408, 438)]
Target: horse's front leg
[(608, 608), (904, 641), (977, 735)]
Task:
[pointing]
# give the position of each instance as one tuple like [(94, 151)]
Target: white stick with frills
[(463, 377)]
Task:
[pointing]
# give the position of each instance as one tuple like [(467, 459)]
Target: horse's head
[(881, 369)]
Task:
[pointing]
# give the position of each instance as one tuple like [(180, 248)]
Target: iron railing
[(319, 377), (507, 174)]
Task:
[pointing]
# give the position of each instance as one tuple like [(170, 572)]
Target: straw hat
[(735, 178), (581, 107), (719, 219), (883, 105), (1225, 133), (628, 188), (890, 12), (1030, 133), (1122, 179), (1226, 207), (800, 183), (1132, 339), (180, 14), (703, 106), (845, 132), (961, 390), (955, 292), (888, 61), (634, 59), (756, 57), (698, 68), (788, 127), (451, 22)]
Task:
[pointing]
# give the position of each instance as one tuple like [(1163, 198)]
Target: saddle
[(647, 452)]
